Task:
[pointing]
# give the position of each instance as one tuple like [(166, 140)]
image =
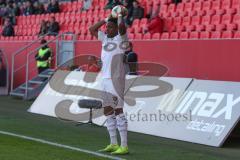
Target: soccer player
[(113, 74)]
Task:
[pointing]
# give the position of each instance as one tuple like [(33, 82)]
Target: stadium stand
[(191, 19)]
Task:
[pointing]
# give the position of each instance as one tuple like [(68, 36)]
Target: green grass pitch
[(14, 118)]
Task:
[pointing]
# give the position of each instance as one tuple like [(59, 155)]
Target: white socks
[(112, 128), (122, 128), (120, 122)]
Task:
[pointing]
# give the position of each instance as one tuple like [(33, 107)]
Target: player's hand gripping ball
[(119, 10)]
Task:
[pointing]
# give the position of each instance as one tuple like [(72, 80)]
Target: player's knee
[(108, 111)]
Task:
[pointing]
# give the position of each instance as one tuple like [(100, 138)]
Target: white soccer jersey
[(112, 53)]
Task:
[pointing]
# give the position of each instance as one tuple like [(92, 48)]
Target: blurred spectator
[(176, 1), (112, 3), (16, 9), (53, 28), (92, 65), (131, 59), (128, 4), (8, 29), (86, 5), (28, 8), (155, 24), (39, 8), (2, 3), (137, 12), (2, 74), (9, 13), (44, 28), (53, 7)]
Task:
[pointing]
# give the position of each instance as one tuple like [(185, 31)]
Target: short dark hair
[(113, 20), (43, 41)]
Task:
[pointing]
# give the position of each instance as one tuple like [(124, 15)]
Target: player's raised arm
[(121, 25), (94, 28)]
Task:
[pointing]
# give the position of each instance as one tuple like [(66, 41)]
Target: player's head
[(112, 27)]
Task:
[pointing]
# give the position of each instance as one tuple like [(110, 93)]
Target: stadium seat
[(227, 34), (204, 35), (206, 6), (179, 10), (184, 35), (216, 19), (205, 22), (226, 5), (187, 9), (138, 36), (131, 36), (196, 20), (147, 36), (174, 35), (185, 22), (226, 20), (194, 35), (164, 36), (237, 35), (215, 35), (235, 23), (156, 36), (197, 7)]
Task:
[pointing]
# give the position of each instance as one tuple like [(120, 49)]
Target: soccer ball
[(119, 9)]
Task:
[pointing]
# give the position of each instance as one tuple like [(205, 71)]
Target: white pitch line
[(60, 145)]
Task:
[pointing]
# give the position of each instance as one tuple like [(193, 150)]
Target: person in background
[(29, 9), (176, 1), (155, 25), (54, 27), (39, 8), (43, 57), (137, 12), (8, 29), (16, 9), (44, 28), (131, 59), (112, 3), (92, 65), (53, 7), (86, 5)]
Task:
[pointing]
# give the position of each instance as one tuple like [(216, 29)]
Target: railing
[(17, 53), (29, 61)]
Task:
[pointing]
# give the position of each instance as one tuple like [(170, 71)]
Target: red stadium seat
[(138, 36), (131, 36), (205, 22), (185, 22), (226, 20), (216, 19), (226, 5), (163, 36), (227, 35), (237, 35), (204, 35), (187, 9), (235, 23), (156, 36), (194, 35), (197, 7), (179, 9), (184, 35), (196, 20), (205, 7), (147, 36), (174, 35), (216, 35)]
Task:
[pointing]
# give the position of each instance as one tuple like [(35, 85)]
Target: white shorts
[(116, 98)]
